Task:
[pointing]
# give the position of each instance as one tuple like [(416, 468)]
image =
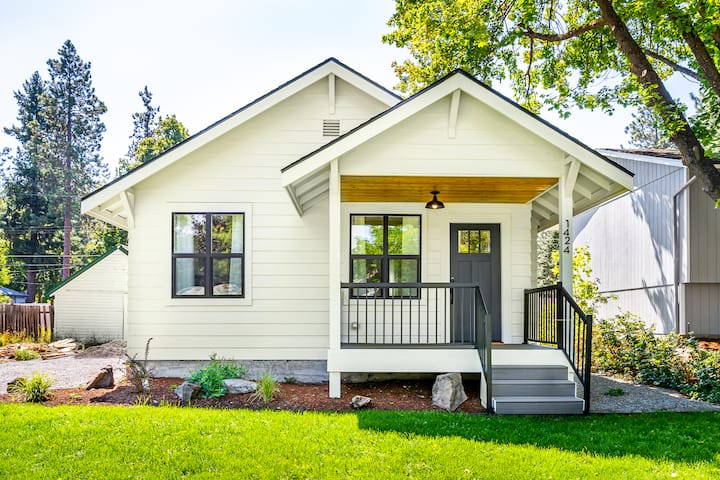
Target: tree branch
[(692, 152), (675, 66), (559, 37)]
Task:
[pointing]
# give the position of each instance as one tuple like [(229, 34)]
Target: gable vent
[(331, 128)]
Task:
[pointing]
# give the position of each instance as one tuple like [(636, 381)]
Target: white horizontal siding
[(485, 144), (286, 313)]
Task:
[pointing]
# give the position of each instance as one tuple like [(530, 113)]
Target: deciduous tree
[(583, 53)]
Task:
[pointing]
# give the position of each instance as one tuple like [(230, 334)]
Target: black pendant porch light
[(434, 204)]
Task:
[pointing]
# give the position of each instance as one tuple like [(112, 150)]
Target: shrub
[(33, 389), (267, 388), (626, 346), (211, 376), (25, 354)]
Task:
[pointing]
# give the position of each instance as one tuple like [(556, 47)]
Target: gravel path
[(66, 372), (640, 398)]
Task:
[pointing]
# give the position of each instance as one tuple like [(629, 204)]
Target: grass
[(171, 442)]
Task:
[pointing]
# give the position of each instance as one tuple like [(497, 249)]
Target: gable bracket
[(331, 93), (291, 192), (454, 109), (572, 175), (128, 202)]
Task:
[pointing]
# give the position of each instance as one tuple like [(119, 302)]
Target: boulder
[(239, 386), (104, 379), (187, 391), (448, 392), (358, 401)]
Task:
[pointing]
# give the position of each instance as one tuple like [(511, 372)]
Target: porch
[(445, 327)]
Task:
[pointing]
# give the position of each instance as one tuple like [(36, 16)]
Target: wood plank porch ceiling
[(354, 188)]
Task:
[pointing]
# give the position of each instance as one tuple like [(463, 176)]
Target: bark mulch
[(385, 395)]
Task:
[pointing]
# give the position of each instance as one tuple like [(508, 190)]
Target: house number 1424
[(566, 241)]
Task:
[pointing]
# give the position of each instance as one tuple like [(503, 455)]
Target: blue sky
[(202, 60)]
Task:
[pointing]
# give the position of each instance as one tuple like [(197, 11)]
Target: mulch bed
[(386, 395)]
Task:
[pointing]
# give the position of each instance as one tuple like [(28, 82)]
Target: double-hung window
[(208, 255), (385, 249)]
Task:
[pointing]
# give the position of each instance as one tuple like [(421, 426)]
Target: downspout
[(676, 259)]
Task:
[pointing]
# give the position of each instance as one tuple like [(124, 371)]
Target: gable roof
[(53, 290), (597, 170), (109, 195)]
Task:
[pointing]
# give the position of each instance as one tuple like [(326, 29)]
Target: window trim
[(208, 256), (385, 257)]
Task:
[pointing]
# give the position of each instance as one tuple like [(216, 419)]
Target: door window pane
[(404, 235), (366, 233), (484, 241), (189, 233), (189, 277), (463, 241)]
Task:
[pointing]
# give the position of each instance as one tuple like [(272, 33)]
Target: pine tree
[(31, 220), (646, 130), (74, 132), (152, 135)]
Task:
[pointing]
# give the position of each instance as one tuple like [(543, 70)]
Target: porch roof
[(598, 178)]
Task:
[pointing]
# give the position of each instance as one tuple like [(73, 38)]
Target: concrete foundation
[(303, 371)]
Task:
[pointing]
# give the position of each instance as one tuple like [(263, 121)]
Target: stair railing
[(552, 317), (483, 343)]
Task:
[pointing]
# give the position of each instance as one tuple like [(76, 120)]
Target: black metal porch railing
[(553, 317), (420, 315)]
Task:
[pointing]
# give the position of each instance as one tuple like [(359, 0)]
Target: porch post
[(334, 300), (565, 208)]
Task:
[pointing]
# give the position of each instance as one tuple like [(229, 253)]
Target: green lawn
[(169, 442)]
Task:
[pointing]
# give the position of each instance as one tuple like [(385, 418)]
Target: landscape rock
[(104, 379), (187, 391), (448, 392), (239, 386), (358, 401)]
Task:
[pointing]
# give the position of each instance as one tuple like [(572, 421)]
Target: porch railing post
[(559, 315), (588, 363), (526, 316)]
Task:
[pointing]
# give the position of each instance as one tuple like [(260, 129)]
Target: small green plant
[(615, 392), (210, 378), (25, 354), (138, 374), (290, 380), (267, 388), (45, 335), (142, 400), (36, 388)]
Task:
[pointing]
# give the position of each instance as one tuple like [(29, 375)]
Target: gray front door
[(475, 258)]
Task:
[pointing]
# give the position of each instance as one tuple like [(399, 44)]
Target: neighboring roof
[(650, 152), (257, 106), (84, 269), (312, 166), (9, 292)]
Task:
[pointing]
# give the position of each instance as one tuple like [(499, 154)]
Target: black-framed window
[(208, 255), (385, 249)]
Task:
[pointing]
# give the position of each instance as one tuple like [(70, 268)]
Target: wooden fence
[(28, 318)]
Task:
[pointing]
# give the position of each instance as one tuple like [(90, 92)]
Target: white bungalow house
[(297, 232)]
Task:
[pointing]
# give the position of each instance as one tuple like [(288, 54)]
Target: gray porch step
[(533, 388), (537, 405), (529, 372)]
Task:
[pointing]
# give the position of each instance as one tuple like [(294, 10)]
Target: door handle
[(452, 290)]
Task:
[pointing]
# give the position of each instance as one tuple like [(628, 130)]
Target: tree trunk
[(31, 284), (692, 152), (67, 227)]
